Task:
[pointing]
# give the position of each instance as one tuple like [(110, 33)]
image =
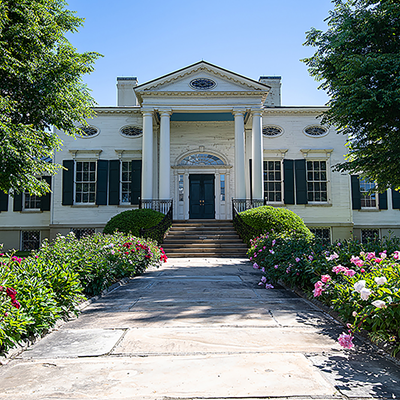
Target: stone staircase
[(204, 238)]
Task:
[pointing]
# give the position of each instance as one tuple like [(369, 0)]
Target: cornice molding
[(127, 154), (202, 94), (182, 74), (294, 110), (116, 110), (82, 153), (316, 153)]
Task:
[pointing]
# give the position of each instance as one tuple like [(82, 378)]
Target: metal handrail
[(162, 205), (158, 232), (246, 204), (245, 231)]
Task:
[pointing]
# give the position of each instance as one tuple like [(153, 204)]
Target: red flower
[(16, 304), (11, 292)]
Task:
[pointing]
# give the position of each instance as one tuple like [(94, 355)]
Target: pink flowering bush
[(360, 281), (367, 298), (100, 260), (38, 290)]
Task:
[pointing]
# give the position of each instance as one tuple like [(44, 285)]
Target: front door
[(201, 196)]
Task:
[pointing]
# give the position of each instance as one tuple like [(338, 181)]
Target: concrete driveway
[(199, 328)]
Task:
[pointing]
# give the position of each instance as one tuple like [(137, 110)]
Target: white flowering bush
[(359, 280), (366, 296)]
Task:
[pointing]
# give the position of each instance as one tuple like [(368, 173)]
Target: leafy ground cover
[(361, 282), (38, 290)]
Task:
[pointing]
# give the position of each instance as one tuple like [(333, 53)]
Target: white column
[(257, 155), (165, 161), (240, 183), (147, 155)]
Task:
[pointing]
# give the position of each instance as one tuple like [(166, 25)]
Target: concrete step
[(206, 255), (217, 245), (203, 238), (202, 235), (202, 229), (205, 249), (205, 241)]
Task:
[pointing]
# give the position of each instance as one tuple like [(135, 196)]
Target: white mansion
[(201, 136)]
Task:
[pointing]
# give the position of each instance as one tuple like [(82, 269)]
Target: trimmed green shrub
[(130, 222), (277, 220)]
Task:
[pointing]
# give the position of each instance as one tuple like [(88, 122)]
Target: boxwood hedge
[(277, 220), (130, 222)]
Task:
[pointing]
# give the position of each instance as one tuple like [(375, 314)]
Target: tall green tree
[(40, 88), (357, 61)]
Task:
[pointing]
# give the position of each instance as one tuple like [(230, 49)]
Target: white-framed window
[(222, 186), (369, 234), (273, 181), (317, 181), (31, 202), (82, 232), (181, 190), (126, 178), (322, 233), (85, 182), (369, 198), (30, 240)]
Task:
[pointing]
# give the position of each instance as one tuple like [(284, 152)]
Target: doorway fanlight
[(201, 159)]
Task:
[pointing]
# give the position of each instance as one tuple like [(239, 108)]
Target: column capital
[(147, 111), (238, 111), (165, 111), (256, 111)]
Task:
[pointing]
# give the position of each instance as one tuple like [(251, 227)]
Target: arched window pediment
[(201, 159)]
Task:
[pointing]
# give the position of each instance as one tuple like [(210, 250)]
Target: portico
[(210, 102)]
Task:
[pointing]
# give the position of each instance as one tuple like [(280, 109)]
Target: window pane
[(316, 181), (272, 180)]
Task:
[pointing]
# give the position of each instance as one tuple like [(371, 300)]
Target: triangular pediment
[(202, 78)]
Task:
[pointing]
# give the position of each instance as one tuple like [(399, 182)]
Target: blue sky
[(149, 39)]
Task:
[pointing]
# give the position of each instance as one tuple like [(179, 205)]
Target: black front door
[(201, 196)]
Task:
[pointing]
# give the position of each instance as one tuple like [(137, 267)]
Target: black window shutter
[(45, 200), (288, 181), (68, 183), (136, 182), (102, 182), (355, 192), (18, 202), (114, 179), (3, 201), (395, 199), (301, 182), (383, 203)]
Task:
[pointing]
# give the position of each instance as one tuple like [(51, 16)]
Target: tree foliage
[(41, 88), (358, 63)]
